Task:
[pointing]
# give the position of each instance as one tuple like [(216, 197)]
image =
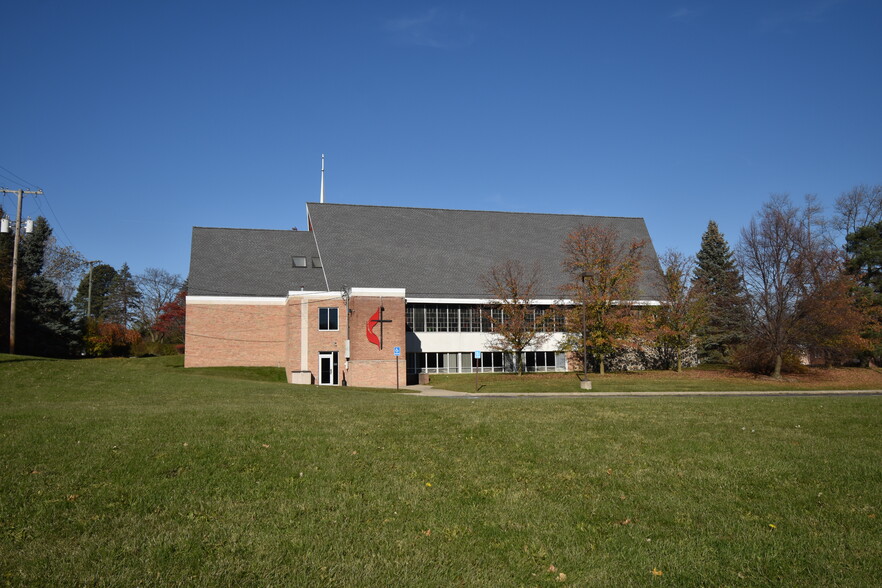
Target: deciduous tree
[(797, 299), (171, 322), (859, 207), (157, 288), (604, 271), (683, 311), (512, 315)]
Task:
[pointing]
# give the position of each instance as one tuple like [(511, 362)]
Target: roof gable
[(252, 262)]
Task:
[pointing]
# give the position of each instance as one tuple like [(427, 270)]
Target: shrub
[(756, 357)]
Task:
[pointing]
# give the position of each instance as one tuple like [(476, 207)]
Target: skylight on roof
[(298, 261)]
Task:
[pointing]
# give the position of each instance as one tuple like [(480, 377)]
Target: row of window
[(490, 361), (462, 318), (456, 318)]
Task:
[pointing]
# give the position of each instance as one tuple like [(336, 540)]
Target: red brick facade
[(235, 334), (285, 332), (369, 365)]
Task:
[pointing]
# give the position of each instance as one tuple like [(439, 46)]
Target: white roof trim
[(396, 292), (548, 301), (242, 300), (539, 301), (314, 294)]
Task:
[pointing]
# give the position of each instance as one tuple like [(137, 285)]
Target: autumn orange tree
[(604, 271), (682, 312), (514, 321), (104, 339)]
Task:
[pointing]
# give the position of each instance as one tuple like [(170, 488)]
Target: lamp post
[(585, 276)]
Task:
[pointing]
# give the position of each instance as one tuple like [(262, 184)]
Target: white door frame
[(329, 356)]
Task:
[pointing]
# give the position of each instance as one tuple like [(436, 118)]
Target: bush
[(109, 339), (153, 348), (756, 357)]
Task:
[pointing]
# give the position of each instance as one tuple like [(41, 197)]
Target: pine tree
[(717, 276), (45, 324), (123, 298)]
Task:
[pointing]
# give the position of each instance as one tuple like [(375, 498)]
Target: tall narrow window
[(328, 319)]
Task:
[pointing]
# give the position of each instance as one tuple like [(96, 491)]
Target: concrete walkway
[(438, 392)]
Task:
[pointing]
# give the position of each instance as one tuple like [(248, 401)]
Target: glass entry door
[(328, 368)]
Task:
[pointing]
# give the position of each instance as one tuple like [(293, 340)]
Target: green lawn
[(705, 379), (136, 471)]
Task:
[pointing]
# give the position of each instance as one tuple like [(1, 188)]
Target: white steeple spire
[(322, 199)]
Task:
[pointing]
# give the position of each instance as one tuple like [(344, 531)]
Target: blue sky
[(143, 119)]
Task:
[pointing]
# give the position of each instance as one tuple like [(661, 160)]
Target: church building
[(376, 295)]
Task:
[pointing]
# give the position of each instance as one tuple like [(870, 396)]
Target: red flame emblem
[(372, 322)]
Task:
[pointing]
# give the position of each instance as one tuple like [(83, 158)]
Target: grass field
[(711, 378), (138, 472)]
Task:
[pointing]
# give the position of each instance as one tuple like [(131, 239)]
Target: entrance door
[(328, 368)]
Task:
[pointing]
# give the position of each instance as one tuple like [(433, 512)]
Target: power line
[(20, 179), (7, 178), (57, 221), (33, 186)]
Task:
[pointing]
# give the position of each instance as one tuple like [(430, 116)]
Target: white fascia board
[(241, 300), (616, 302), (314, 294), (547, 301), (392, 292)]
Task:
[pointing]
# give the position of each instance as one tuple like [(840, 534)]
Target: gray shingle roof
[(432, 253), (251, 262), (445, 253)]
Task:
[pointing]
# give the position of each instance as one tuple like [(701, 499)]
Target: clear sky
[(141, 120)]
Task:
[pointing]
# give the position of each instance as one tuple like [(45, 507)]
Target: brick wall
[(277, 334), (369, 365), (235, 334)]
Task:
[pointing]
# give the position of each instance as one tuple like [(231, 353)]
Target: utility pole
[(89, 299), (17, 238)]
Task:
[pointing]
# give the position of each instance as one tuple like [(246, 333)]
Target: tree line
[(59, 315), (798, 288)]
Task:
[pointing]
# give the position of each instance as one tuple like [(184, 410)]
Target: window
[(456, 318), (298, 261), (316, 262), (328, 319)]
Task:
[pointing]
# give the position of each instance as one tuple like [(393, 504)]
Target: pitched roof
[(441, 253), (251, 262)]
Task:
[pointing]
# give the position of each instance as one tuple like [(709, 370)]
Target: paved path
[(438, 392)]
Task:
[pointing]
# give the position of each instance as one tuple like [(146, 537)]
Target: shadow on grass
[(6, 358)]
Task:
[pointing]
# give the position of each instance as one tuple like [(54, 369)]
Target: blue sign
[(396, 351), (477, 355)]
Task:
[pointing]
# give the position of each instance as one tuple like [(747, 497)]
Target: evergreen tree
[(719, 280), (123, 298), (45, 324), (32, 248), (102, 280), (864, 247), (864, 262)]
